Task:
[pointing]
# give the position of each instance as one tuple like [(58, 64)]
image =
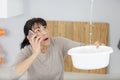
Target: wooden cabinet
[(9, 8)]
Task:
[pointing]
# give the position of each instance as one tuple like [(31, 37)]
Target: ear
[(28, 37)]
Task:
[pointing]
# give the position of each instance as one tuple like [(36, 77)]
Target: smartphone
[(30, 34)]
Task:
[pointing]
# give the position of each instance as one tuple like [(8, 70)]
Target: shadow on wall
[(119, 44)]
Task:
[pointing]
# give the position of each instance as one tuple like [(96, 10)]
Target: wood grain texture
[(79, 31)]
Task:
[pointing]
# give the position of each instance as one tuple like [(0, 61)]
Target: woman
[(41, 56)]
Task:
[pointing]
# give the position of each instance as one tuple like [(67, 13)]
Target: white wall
[(67, 10)]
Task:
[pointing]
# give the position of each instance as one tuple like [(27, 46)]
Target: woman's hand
[(35, 42), (97, 43)]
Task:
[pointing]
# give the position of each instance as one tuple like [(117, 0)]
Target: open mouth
[(45, 39)]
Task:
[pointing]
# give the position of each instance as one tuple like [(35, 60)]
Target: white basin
[(90, 57)]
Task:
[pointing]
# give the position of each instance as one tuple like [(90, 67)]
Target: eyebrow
[(36, 25)]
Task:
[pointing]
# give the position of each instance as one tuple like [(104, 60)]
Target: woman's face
[(41, 31)]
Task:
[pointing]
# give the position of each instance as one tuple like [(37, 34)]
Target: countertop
[(69, 76)]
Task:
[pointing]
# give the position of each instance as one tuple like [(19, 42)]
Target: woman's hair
[(28, 26)]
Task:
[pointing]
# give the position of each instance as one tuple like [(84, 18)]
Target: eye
[(38, 30)]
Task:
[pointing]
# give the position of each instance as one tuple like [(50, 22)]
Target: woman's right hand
[(35, 42)]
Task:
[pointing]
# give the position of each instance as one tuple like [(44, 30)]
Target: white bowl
[(90, 57)]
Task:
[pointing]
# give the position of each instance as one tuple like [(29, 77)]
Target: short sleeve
[(22, 55)]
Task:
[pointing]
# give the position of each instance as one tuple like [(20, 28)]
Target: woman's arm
[(23, 66)]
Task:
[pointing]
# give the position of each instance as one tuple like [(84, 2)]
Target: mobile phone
[(30, 34)]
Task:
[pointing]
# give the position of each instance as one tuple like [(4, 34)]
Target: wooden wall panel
[(100, 32), (79, 31)]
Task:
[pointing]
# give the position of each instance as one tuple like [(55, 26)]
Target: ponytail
[(24, 43)]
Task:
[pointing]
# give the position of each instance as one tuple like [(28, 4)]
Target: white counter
[(87, 76), (4, 74)]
